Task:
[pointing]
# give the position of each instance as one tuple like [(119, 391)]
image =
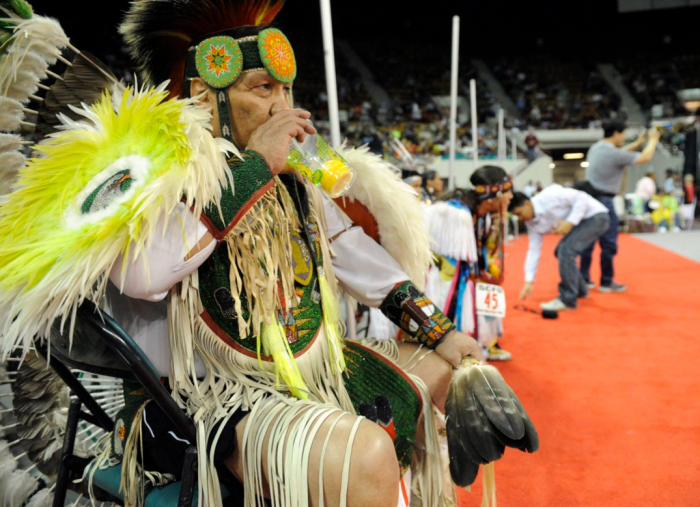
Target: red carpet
[(613, 387)]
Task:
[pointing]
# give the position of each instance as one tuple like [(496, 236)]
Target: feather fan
[(483, 417)]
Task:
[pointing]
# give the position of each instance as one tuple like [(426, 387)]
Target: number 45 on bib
[(490, 300)]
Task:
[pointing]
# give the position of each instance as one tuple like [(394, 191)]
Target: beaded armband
[(251, 179), (416, 315)]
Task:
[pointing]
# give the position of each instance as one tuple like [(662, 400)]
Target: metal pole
[(475, 126), (331, 86), (501, 136), (332, 89), (453, 100), (513, 144)]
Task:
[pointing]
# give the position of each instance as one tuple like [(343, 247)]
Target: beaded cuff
[(416, 315), (251, 179)]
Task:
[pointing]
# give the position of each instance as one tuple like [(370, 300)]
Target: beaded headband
[(219, 60), (490, 191)]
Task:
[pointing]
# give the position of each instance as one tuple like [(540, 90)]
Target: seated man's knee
[(373, 467)]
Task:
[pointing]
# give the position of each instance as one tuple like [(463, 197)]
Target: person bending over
[(577, 216)]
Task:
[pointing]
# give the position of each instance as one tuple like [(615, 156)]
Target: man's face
[(254, 98), (496, 204), (437, 184), (417, 184), (618, 138), (506, 197), (525, 212)]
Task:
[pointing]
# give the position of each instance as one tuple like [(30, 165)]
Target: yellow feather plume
[(96, 187)]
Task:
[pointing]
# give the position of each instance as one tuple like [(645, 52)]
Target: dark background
[(584, 29)]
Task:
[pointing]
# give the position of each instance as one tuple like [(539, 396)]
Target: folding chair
[(102, 347)]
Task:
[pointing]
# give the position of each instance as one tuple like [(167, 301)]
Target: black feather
[(488, 446), (83, 82), (462, 419), (492, 393), (462, 469), (530, 440)]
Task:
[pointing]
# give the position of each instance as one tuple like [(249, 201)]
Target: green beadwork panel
[(113, 188), (301, 323), (249, 176), (383, 395)]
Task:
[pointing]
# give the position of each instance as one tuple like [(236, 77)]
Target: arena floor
[(685, 243), (612, 387)]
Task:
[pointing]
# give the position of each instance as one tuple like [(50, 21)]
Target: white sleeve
[(534, 240), (162, 263), (364, 269), (362, 266)]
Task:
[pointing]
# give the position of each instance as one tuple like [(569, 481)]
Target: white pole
[(329, 56), (513, 144), (332, 89), (501, 136), (475, 126), (453, 100)]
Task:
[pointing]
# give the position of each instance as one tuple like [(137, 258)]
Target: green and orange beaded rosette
[(219, 61), (277, 55)]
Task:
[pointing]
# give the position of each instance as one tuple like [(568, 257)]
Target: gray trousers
[(573, 283)]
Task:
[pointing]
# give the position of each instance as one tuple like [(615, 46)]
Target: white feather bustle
[(452, 231), (17, 488), (11, 114), (42, 498), (396, 209), (10, 142), (35, 44)]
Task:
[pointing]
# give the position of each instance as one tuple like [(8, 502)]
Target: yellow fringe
[(275, 344), (331, 319)]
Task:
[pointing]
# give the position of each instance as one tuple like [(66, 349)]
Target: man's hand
[(526, 292), (273, 138), (654, 134), (642, 137), (456, 346), (562, 228)]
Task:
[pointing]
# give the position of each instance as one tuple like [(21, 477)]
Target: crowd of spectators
[(663, 206), (654, 83), (548, 92), (413, 117), (552, 94)]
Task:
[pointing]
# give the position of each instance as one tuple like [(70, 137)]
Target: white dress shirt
[(555, 204)]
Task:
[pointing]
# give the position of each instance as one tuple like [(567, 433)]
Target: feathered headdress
[(159, 32)]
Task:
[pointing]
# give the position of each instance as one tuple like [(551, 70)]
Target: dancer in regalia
[(174, 208), (466, 227)]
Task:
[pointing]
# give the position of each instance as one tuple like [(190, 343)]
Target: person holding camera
[(607, 161)]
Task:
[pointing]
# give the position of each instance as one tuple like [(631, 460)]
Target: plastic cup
[(316, 161)]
